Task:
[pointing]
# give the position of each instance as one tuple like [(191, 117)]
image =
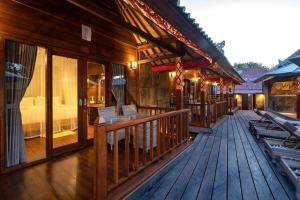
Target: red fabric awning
[(185, 64)]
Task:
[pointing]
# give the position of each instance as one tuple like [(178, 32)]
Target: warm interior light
[(207, 82), (133, 65), (172, 74)]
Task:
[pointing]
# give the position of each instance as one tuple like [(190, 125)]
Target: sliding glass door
[(25, 103), (64, 101)]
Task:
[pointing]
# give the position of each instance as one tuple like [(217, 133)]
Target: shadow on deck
[(227, 164)]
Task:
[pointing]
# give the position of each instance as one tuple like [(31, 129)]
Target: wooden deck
[(227, 164)]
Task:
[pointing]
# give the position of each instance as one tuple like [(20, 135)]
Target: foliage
[(240, 66)]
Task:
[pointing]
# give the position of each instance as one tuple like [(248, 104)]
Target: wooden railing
[(171, 130), (153, 110), (221, 108), (211, 112)]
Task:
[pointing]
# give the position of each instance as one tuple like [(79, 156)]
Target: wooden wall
[(154, 87), (56, 25)]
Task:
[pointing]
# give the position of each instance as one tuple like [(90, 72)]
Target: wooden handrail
[(213, 111), (170, 129), (124, 124)]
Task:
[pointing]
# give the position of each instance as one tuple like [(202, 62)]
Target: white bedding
[(33, 112)]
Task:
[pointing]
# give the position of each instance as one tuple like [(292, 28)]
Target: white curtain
[(118, 84), (20, 62), (64, 76), (34, 100)]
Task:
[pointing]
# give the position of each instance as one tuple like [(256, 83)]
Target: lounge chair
[(286, 146), (290, 167), (130, 110), (110, 115), (270, 125)]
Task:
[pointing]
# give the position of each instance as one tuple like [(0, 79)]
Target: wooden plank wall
[(56, 25)]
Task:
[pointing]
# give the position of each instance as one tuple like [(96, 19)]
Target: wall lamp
[(133, 64)]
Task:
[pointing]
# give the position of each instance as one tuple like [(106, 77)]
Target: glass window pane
[(64, 101)]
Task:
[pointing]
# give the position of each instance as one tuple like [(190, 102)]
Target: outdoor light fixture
[(133, 65), (172, 74)]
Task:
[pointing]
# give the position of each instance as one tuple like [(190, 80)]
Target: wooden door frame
[(2, 105)]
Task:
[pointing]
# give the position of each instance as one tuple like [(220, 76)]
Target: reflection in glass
[(95, 93), (64, 101)]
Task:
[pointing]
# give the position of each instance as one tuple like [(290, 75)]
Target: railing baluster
[(172, 131), (136, 148), (151, 140), (163, 139), (177, 128), (158, 137), (127, 151), (208, 115), (116, 157), (144, 143), (168, 133)]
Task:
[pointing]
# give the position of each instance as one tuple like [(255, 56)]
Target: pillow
[(40, 100), (27, 102), (56, 100)]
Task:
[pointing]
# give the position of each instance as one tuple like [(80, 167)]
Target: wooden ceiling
[(148, 51)]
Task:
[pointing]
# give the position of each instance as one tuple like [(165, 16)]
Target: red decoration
[(185, 65)]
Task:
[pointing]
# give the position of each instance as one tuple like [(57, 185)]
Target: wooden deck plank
[(163, 176), (220, 183), (234, 184), (191, 190), (248, 189), (206, 188), (261, 186), (275, 185), (179, 186), (169, 180)]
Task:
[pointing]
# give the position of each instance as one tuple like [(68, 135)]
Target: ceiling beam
[(144, 47), (116, 19), (147, 60)]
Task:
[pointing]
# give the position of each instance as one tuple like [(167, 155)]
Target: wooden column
[(179, 83), (298, 97), (221, 89), (233, 95), (202, 79)]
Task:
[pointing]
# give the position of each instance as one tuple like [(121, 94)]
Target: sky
[(262, 31)]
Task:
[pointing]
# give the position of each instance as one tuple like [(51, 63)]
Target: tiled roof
[(284, 68), (249, 75)]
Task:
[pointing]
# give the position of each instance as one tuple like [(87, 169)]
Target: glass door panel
[(95, 94), (64, 101)]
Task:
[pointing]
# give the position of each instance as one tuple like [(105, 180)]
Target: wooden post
[(221, 89), (100, 177), (298, 98), (179, 83), (227, 97), (202, 97), (233, 95)]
